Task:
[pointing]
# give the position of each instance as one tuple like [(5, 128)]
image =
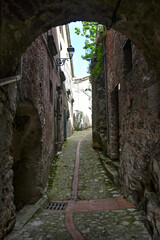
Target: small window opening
[(51, 91), (127, 57)]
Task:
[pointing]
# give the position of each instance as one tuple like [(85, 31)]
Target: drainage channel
[(57, 206)]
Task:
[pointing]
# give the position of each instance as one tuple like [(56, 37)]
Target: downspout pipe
[(114, 15), (106, 87), (5, 81), (16, 78)]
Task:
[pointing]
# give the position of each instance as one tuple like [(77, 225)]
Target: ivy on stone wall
[(96, 65), (93, 45)]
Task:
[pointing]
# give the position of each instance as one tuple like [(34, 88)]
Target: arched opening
[(24, 22), (20, 27), (26, 151)]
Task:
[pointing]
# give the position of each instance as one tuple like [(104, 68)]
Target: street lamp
[(61, 61)]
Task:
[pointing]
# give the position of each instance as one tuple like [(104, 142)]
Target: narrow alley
[(89, 205)]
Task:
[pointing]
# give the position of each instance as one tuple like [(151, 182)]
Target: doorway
[(26, 151), (115, 124)]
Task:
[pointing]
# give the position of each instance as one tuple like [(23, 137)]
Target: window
[(51, 91), (127, 57)]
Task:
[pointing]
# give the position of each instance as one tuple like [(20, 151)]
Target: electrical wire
[(114, 15)]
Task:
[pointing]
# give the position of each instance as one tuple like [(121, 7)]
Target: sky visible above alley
[(77, 41)]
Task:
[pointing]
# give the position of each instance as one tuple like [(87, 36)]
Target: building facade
[(68, 74), (128, 114), (36, 116)]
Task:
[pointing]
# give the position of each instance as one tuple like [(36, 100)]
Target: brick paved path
[(95, 209)]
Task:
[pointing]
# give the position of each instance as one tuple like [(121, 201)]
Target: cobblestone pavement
[(43, 226), (93, 182), (123, 223), (112, 225), (62, 172)]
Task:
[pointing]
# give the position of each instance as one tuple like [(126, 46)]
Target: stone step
[(114, 163), (111, 168), (28, 211), (112, 173)]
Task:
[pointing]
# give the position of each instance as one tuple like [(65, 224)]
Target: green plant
[(97, 67), (89, 30), (94, 49), (78, 121)]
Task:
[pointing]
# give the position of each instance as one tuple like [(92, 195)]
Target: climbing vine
[(96, 66), (89, 31), (93, 46)]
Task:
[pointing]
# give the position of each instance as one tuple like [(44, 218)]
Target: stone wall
[(99, 112), (28, 136), (114, 66), (39, 86), (132, 139), (7, 111), (133, 99)]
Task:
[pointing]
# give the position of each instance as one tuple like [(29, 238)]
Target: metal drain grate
[(57, 206)]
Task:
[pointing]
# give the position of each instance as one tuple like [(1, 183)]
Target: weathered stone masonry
[(134, 125), (21, 23), (99, 112), (28, 129)]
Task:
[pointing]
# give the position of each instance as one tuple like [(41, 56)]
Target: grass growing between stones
[(52, 173), (93, 182), (62, 170)]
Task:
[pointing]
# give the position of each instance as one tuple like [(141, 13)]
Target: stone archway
[(26, 151), (22, 22)]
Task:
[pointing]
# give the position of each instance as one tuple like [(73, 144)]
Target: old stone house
[(126, 123), (36, 116)]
